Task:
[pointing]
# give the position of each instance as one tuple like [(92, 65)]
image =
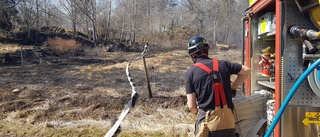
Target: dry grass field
[(84, 95)]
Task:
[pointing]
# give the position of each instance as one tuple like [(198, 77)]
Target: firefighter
[(209, 90)]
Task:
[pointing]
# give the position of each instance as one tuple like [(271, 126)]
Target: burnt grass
[(56, 88), (41, 83), (89, 83)]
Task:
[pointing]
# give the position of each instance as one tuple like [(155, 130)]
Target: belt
[(216, 108)]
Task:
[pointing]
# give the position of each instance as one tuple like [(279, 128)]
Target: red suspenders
[(217, 86)]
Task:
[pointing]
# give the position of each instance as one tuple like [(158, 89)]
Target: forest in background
[(167, 23)]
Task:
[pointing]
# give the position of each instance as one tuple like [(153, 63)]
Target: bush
[(63, 45)]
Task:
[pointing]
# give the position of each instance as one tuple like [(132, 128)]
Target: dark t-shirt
[(199, 81)]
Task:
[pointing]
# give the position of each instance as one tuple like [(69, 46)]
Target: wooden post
[(21, 56), (147, 77)]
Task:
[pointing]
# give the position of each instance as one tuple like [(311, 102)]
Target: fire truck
[(281, 44)]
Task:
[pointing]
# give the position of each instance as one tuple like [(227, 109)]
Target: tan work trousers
[(219, 122)]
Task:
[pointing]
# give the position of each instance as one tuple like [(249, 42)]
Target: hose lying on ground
[(131, 102)]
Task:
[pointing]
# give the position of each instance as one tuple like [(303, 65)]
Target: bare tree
[(89, 9), (108, 20), (8, 11), (29, 14), (133, 21), (72, 12), (121, 16), (196, 15)]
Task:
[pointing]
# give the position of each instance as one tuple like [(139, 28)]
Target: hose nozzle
[(297, 31)]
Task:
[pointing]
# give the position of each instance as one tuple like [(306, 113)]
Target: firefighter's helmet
[(196, 44)]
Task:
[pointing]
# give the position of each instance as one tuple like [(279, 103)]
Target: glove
[(233, 93)]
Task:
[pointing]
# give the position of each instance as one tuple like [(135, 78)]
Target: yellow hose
[(315, 16)]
